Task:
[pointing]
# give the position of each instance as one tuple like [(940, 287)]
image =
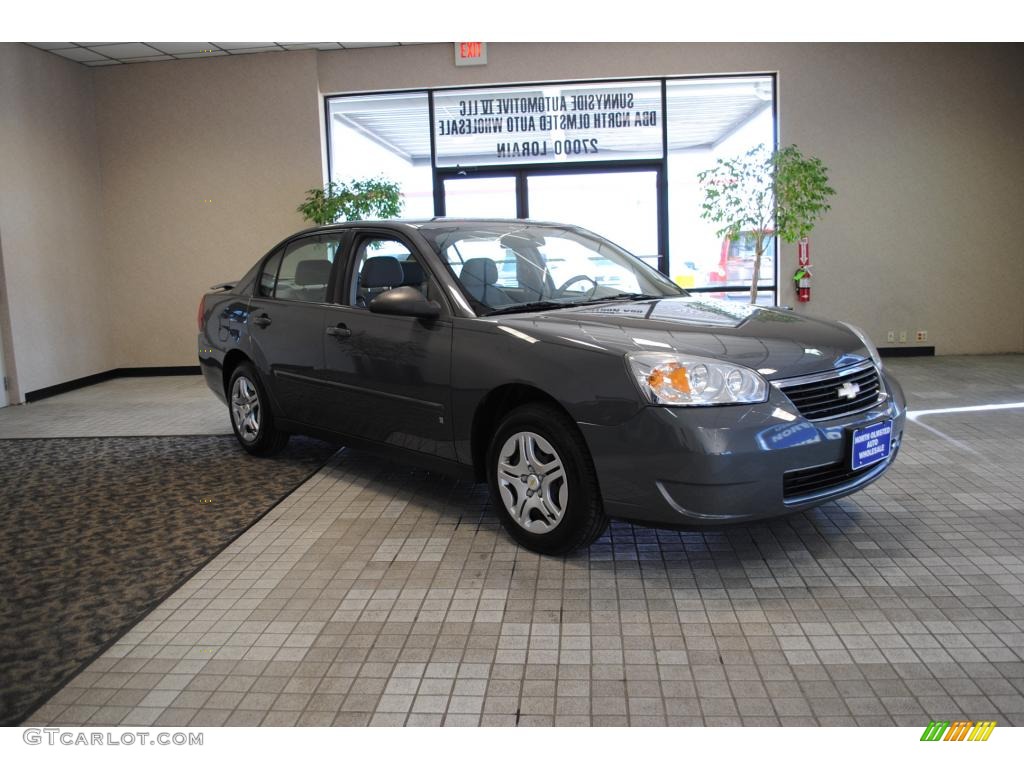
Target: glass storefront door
[(621, 205), (480, 197)]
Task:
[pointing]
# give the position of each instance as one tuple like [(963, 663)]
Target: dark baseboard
[(67, 386), (906, 351), (116, 373), (159, 370)]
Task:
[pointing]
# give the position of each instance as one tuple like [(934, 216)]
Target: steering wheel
[(593, 285)]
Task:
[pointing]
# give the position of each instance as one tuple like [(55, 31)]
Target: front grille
[(809, 482), (820, 397)]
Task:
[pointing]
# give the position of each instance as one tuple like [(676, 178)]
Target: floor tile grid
[(152, 405)]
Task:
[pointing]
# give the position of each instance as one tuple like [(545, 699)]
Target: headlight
[(668, 379), (868, 344)]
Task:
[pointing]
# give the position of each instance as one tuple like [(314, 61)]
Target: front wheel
[(543, 481), (251, 416)]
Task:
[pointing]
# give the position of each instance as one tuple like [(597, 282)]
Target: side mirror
[(407, 301)]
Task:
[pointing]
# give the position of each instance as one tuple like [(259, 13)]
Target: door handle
[(262, 321), (339, 331)]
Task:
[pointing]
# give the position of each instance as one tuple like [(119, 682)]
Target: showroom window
[(386, 135), (708, 119), (618, 157)]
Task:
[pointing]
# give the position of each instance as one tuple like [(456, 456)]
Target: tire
[(543, 481), (251, 416)]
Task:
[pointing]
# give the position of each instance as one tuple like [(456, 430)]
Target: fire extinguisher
[(802, 277)]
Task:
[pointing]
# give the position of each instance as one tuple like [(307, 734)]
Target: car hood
[(778, 343)]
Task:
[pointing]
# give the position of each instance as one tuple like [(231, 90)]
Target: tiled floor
[(380, 594), (159, 405)]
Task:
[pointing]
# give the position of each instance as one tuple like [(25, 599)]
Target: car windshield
[(520, 266)]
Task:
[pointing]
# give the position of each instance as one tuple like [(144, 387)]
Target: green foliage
[(801, 193), (765, 194), (358, 199)]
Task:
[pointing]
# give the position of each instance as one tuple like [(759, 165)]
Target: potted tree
[(762, 194), (357, 199)]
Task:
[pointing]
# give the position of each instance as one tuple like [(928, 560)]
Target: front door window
[(383, 263)]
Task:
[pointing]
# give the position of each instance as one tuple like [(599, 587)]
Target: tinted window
[(383, 263), (305, 270), (269, 275)]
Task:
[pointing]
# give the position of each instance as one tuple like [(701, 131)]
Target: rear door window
[(269, 275), (305, 269)]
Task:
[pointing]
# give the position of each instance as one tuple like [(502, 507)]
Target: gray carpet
[(97, 531)]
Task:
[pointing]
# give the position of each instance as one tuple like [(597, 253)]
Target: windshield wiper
[(619, 297), (529, 306), (532, 306)]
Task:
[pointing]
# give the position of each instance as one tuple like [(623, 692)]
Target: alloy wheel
[(245, 409), (532, 482)]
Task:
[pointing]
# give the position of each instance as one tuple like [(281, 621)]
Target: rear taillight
[(201, 313)]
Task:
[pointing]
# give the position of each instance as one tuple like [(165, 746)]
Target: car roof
[(438, 222)]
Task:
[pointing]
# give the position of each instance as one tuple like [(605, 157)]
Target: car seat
[(480, 277), (412, 274), (379, 274), (311, 277)]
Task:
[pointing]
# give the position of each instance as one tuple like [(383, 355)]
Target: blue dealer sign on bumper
[(871, 444)]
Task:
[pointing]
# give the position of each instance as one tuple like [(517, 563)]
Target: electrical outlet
[(903, 337), (892, 336), (922, 335)]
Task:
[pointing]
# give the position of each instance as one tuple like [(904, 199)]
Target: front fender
[(592, 384)]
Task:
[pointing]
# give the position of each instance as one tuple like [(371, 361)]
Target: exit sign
[(470, 54)]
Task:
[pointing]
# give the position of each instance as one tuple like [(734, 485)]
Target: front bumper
[(687, 466)]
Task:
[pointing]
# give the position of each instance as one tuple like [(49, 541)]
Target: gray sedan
[(580, 383)]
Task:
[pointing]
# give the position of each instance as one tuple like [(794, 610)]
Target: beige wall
[(923, 142), (242, 132), (54, 271)]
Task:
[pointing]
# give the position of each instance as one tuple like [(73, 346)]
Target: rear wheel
[(543, 481), (251, 415)]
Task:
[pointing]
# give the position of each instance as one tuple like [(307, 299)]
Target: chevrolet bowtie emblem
[(849, 390)]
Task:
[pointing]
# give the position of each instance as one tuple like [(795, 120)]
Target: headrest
[(412, 273), (481, 270), (312, 272), (381, 272)]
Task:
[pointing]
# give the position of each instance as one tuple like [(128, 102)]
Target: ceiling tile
[(89, 45), (177, 48), (48, 46), (78, 54), (308, 46), (200, 55), (126, 50), (101, 63), (148, 58), (254, 50), (234, 46), (367, 45)]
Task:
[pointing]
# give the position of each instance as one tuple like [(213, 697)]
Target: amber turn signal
[(677, 378)]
